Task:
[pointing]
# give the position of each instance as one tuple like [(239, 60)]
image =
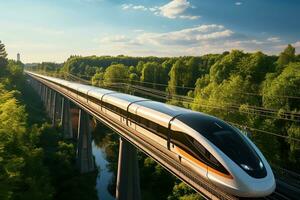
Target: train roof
[(85, 88), (121, 100), (169, 110), (155, 111), (99, 92), (127, 97)]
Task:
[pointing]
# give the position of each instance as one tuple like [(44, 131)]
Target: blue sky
[(52, 30)]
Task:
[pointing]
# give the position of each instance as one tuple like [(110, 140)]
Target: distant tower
[(18, 57)]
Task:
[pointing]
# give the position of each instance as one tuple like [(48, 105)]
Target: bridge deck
[(157, 152)]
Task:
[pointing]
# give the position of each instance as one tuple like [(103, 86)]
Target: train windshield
[(229, 140)]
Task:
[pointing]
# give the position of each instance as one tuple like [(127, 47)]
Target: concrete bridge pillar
[(54, 108), (47, 95), (58, 109), (43, 94), (46, 98), (66, 119), (49, 103), (36, 86), (33, 83), (40, 89), (85, 160), (128, 180)]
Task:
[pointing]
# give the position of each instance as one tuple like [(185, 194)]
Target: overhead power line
[(289, 116), (165, 98), (251, 128), (193, 88), (211, 106)]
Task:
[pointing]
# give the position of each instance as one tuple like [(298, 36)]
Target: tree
[(115, 73), (133, 77), (3, 53), (285, 84), (255, 66), (97, 79), (132, 69), (154, 73), (183, 192), (15, 74), (285, 57), (167, 65), (3, 60), (222, 69), (182, 74), (275, 89)]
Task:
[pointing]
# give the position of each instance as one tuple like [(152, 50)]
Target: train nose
[(260, 188)]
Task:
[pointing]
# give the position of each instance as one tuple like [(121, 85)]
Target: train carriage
[(207, 145)]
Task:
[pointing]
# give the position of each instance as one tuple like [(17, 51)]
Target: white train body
[(212, 148)]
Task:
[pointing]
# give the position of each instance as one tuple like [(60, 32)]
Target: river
[(104, 175)]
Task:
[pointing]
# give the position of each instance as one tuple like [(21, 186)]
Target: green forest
[(36, 162), (255, 92)]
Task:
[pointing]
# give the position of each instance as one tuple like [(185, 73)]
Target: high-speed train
[(205, 144)]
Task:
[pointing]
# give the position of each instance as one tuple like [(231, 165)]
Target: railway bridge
[(57, 104)]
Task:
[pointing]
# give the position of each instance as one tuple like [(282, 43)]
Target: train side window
[(163, 130), (144, 121), (214, 160), (131, 116), (214, 163), (184, 142), (138, 119), (199, 147), (123, 112), (195, 149), (134, 117), (152, 125)]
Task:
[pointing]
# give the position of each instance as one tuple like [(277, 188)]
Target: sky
[(52, 30)]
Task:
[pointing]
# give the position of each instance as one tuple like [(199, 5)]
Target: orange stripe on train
[(201, 164)]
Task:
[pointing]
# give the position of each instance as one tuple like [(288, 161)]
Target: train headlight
[(246, 167), (261, 165)]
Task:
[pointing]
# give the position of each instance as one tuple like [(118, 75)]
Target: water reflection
[(105, 149), (105, 176)]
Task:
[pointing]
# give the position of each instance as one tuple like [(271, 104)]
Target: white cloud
[(113, 39), (138, 30), (139, 7), (201, 39), (186, 36), (133, 7), (126, 6), (238, 3), (296, 44), (154, 9), (177, 9), (191, 17), (274, 39), (172, 10)]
